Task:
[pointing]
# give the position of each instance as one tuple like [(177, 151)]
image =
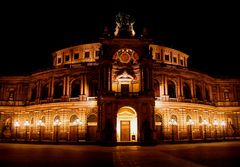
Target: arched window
[(188, 118), (171, 89), (156, 88), (58, 90), (198, 93), (7, 125), (75, 88), (207, 94), (44, 92), (174, 117), (43, 119), (34, 93), (73, 118), (56, 118), (186, 91), (92, 118), (158, 118)]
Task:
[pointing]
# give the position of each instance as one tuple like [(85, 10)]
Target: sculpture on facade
[(124, 25)]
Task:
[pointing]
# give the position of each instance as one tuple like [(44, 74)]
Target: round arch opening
[(127, 125)]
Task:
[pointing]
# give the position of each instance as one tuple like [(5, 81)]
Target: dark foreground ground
[(219, 154)]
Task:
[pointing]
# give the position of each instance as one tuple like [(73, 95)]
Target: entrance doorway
[(126, 125), (125, 130), (92, 127)]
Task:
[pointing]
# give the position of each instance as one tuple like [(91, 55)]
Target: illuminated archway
[(126, 125)]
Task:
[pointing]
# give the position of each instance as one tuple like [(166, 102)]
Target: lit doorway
[(126, 125)]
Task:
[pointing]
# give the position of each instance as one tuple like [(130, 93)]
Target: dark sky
[(30, 32)]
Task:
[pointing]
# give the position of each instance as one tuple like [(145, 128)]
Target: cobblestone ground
[(219, 154)]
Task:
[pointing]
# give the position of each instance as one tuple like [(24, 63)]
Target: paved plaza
[(218, 154)]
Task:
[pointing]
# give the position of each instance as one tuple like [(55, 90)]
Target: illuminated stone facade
[(118, 90)]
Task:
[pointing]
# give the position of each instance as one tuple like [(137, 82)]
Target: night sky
[(30, 32)]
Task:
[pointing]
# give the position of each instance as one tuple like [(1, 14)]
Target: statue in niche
[(6, 131), (124, 25), (10, 98)]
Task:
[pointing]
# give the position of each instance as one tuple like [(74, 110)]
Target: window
[(157, 55), (199, 93), (44, 92), (34, 93), (67, 58), (226, 95), (186, 91), (58, 89), (87, 54), (97, 53), (76, 56), (181, 62), (175, 60), (167, 57), (75, 88), (59, 60), (171, 89), (207, 94)]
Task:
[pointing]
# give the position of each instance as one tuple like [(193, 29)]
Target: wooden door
[(125, 130), (73, 134), (91, 133)]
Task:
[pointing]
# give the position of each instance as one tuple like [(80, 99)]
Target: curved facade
[(120, 89)]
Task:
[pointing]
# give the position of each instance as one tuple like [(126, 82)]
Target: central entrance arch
[(126, 125)]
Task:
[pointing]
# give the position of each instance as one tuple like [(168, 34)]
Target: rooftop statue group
[(124, 25)]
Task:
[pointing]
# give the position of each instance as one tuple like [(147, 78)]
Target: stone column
[(185, 62), (105, 76), (179, 87), (204, 91), (29, 91), (81, 84), (85, 85), (52, 87), (49, 88), (39, 89), (181, 82), (180, 95), (64, 85), (166, 84), (68, 86), (142, 81), (218, 92), (162, 85), (171, 57), (109, 78), (192, 88)]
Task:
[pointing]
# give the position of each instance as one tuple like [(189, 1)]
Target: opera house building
[(121, 89)]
